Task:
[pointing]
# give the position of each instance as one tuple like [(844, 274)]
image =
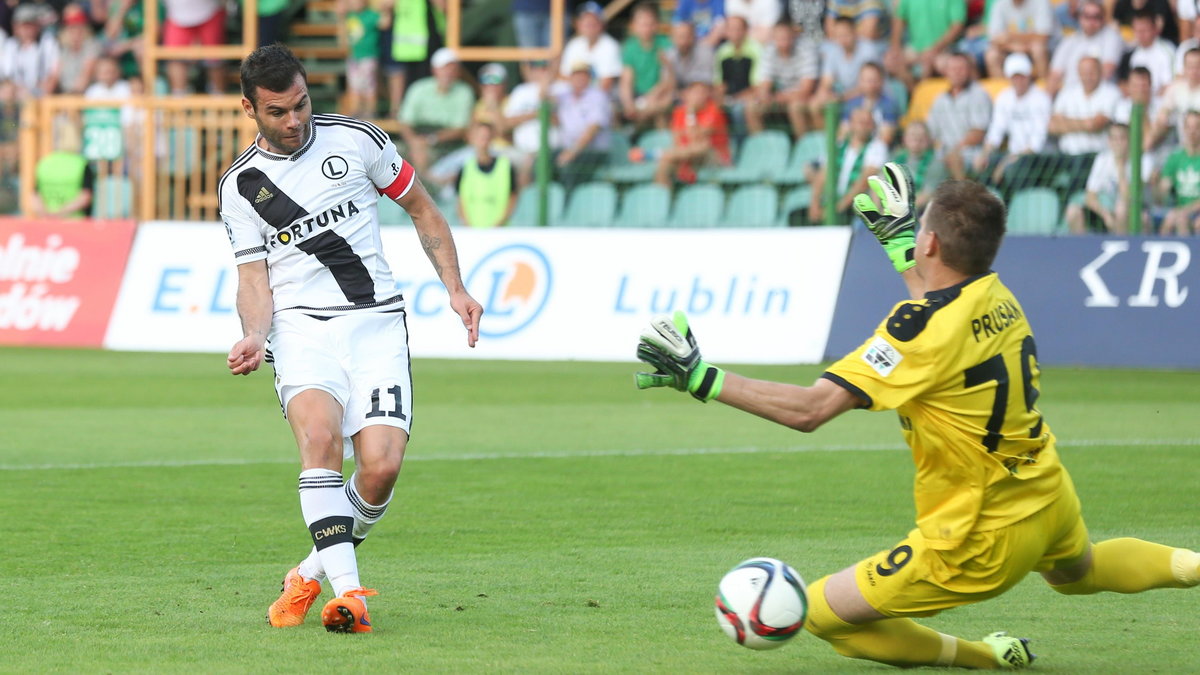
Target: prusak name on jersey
[(995, 321), (305, 227)]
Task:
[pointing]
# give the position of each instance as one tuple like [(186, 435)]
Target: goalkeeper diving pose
[(958, 363)]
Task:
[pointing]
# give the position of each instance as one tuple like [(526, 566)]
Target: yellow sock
[(1130, 565), (897, 642)]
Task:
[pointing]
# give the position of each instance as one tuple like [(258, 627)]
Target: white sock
[(330, 520), (365, 517)]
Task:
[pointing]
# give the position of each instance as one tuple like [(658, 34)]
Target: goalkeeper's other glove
[(669, 345), (893, 222)]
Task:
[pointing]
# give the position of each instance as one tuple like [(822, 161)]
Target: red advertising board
[(59, 279)]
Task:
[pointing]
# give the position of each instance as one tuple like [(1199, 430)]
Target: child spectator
[(362, 62), (487, 184), (1106, 203), (701, 136)]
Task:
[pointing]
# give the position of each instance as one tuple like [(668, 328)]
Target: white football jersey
[(312, 215)]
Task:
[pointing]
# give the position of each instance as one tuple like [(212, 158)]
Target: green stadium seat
[(752, 206), (112, 197), (762, 157), (526, 212), (1034, 211), (590, 205), (795, 199), (697, 206), (809, 149), (391, 213), (646, 205), (622, 170)]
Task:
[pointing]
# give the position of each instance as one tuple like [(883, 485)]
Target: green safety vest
[(410, 31), (485, 194), (60, 179)]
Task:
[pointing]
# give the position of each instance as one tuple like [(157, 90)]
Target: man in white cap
[(436, 110), (593, 46), (1021, 115)]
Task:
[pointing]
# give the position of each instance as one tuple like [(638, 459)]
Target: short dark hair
[(969, 223), (272, 67), (644, 8), (1144, 13)]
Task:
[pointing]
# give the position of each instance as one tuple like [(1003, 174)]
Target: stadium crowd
[(1031, 97)]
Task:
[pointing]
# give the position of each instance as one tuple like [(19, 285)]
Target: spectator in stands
[(807, 15), (409, 34), (1188, 31), (10, 118), (867, 16), (531, 22), (932, 27), (487, 184), (739, 74), (647, 87), (689, 60), (594, 47), (1183, 95), (701, 136), (1190, 43), (842, 59), (189, 22), (918, 155), (1149, 51), (122, 36), (26, 58), (1080, 115), (871, 96), (707, 16), (1180, 177), (790, 66), (584, 115), (78, 51), (361, 24), (436, 111), (521, 110), (493, 87), (1095, 38), (108, 83), (959, 118), (1123, 12), (1019, 26), (1021, 117), (760, 15), (65, 179), (1139, 89), (1106, 202), (859, 156), (271, 15)]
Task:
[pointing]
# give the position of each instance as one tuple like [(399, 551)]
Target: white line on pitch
[(640, 452)]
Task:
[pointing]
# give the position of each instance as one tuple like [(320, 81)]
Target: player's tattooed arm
[(431, 244)]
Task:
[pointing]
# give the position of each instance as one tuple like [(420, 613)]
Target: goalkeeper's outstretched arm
[(800, 408)]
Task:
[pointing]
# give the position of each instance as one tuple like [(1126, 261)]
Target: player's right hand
[(669, 345), (246, 356), (893, 221)]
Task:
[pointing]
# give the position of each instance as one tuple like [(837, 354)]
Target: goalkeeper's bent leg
[(897, 642), (1130, 565)]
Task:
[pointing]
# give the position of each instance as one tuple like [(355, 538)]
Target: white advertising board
[(753, 296)]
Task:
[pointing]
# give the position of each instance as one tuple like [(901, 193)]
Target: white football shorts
[(360, 358)]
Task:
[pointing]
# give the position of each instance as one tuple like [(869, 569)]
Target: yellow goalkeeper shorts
[(912, 579)]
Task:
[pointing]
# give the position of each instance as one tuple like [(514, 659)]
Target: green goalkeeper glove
[(893, 222), (669, 345)]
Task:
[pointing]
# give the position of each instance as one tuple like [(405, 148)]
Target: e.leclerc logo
[(513, 283)]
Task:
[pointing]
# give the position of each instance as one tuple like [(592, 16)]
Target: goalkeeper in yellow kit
[(958, 363)]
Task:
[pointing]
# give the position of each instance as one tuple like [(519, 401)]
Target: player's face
[(282, 116)]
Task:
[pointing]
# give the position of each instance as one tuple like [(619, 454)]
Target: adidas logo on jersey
[(263, 195)]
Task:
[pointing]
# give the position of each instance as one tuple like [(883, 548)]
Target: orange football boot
[(347, 613), (298, 595)]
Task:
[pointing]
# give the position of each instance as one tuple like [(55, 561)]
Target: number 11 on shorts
[(395, 411)]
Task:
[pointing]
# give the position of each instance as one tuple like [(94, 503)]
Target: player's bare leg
[(315, 417), (839, 614)]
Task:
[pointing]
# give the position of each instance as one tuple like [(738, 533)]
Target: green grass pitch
[(549, 518)]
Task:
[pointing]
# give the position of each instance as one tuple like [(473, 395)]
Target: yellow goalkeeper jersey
[(960, 368)]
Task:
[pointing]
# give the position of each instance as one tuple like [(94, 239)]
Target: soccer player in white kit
[(317, 300)]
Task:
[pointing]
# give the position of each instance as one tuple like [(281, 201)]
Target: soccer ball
[(761, 603)]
